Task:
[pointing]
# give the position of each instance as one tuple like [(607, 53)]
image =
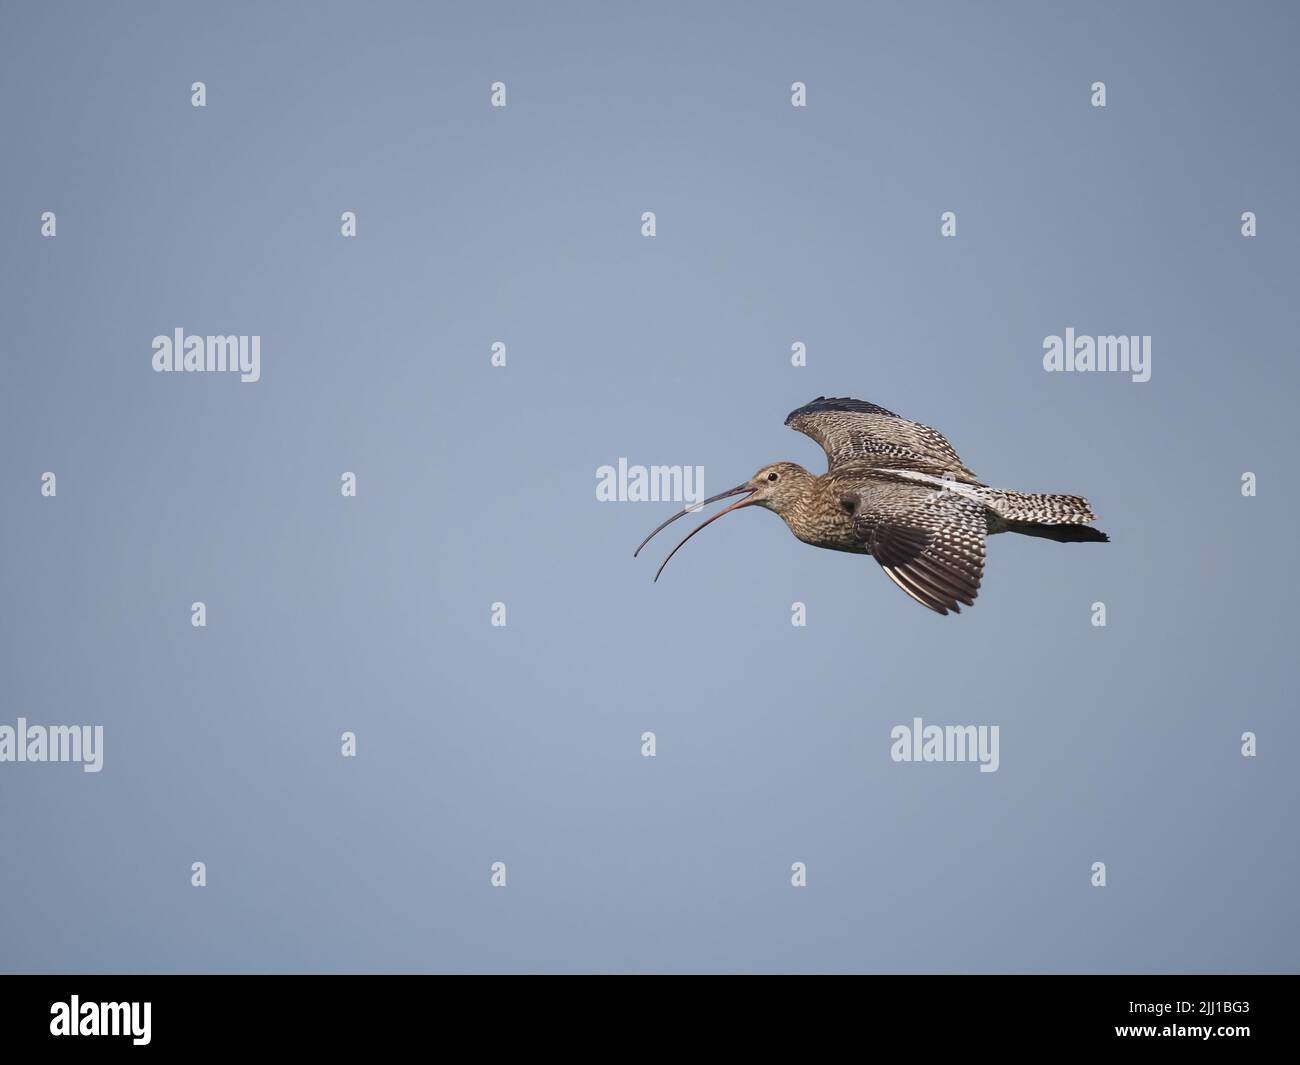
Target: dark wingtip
[(825, 404), (805, 409)]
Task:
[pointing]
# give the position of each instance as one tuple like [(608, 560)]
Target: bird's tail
[(1055, 517), (1063, 533)]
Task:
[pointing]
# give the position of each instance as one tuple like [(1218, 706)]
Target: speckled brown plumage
[(898, 491)]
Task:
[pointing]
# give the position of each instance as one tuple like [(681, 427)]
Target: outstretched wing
[(930, 542), (854, 432)]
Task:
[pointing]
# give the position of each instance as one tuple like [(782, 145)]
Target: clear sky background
[(476, 484)]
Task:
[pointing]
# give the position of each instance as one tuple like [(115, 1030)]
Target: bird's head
[(777, 487)]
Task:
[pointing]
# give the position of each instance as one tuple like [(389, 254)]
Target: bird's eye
[(772, 476)]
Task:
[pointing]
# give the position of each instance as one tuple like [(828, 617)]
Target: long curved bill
[(690, 510)]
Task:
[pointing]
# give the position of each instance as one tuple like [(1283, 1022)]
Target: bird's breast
[(831, 528)]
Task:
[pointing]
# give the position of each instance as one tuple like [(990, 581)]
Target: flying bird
[(898, 491)]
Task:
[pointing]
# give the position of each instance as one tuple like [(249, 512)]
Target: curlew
[(898, 491)]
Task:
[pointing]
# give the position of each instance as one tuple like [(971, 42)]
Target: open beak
[(691, 510)]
